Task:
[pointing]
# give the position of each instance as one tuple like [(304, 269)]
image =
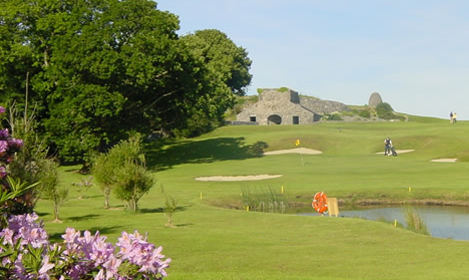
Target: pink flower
[(15, 144), (2, 110), (3, 147), (4, 134), (3, 172), (46, 265), (112, 266)]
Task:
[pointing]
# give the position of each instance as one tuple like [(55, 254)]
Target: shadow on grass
[(203, 151), (82, 218), (183, 225), (161, 210)]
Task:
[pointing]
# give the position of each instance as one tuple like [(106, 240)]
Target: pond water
[(442, 221)]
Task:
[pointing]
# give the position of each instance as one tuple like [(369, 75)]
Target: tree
[(123, 170), (103, 173), (227, 61), (50, 189), (100, 68)]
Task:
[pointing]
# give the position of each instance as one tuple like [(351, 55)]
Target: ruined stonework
[(286, 107), (323, 107), (375, 100)]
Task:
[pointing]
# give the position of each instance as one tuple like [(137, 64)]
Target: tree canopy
[(98, 69), (229, 62)]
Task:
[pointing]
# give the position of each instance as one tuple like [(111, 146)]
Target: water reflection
[(441, 221)]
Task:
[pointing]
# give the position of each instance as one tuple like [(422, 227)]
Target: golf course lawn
[(214, 237)]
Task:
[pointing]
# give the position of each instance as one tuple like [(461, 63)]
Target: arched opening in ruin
[(274, 119)]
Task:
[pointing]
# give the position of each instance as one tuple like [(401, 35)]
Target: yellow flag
[(297, 143)]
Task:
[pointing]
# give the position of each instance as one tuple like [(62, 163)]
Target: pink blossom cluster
[(8, 145), (79, 257)]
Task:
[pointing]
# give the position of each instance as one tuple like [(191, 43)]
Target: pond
[(442, 221)]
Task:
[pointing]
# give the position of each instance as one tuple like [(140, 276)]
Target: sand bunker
[(304, 151), (237, 178), (444, 160), (398, 152)]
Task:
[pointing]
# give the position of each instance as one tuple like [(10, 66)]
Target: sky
[(414, 53)]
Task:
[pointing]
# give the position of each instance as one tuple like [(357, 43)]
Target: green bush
[(283, 89), (364, 114), (385, 111), (333, 117)]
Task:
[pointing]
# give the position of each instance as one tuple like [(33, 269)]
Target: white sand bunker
[(398, 152), (304, 151), (444, 160), (237, 178)]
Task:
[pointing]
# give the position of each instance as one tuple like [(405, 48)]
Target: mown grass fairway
[(215, 242)]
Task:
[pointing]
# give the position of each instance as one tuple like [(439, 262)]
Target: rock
[(375, 100)]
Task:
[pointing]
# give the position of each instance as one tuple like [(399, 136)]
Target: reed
[(263, 199), (414, 221)]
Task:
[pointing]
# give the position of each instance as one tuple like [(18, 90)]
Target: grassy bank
[(212, 241)]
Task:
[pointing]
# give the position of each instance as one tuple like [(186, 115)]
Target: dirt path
[(398, 152)]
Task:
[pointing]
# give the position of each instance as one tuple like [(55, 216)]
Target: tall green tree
[(99, 68), (223, 57)]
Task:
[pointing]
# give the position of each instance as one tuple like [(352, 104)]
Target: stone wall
[(286, 105), (322, 107), (274, 96)]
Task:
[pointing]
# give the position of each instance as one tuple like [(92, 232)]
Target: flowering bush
[(8, 147), (26, 253), (29, 255)]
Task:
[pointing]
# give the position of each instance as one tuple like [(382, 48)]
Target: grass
[(213, 237)]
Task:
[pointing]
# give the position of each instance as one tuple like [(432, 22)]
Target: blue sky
[(414, 53)]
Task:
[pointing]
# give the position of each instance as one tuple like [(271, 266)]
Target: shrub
[(364, 114), (385, 111), (26, 253), (123, 170), (332, 117), (283, 89)]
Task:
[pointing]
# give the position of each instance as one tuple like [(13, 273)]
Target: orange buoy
[(320, 202)]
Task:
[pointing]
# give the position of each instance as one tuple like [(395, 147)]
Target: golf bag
[(393, 151)]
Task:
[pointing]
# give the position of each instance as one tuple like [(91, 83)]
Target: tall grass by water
[(264, 199), (414, 221)]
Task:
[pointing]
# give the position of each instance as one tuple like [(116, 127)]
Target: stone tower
[(375, 100)]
